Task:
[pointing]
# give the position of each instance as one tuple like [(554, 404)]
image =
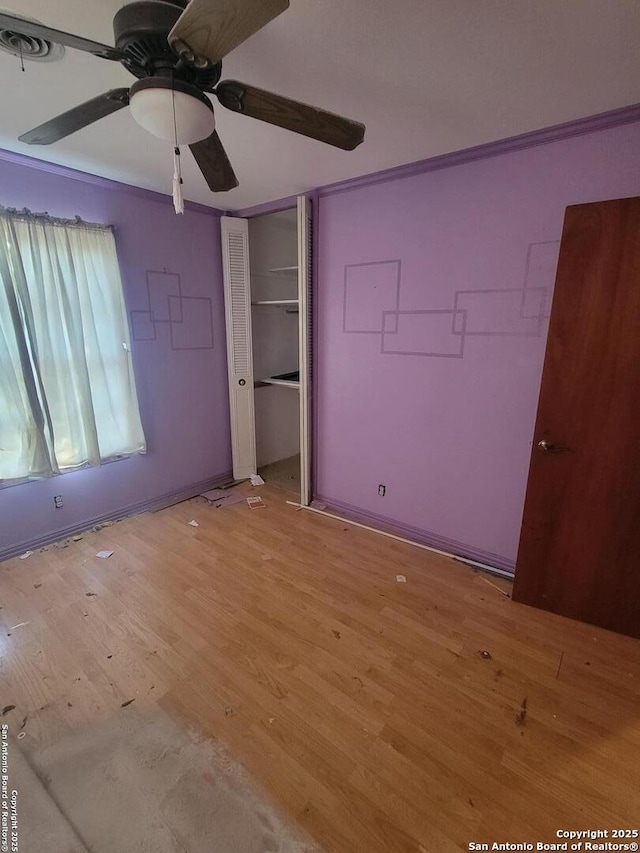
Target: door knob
[(547, 447)]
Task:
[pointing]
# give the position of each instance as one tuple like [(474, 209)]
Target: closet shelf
[(284, 270), (287, 380), (283, 382), (288, 271), (276, 302)]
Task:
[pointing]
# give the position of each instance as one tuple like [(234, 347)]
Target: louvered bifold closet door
[(237, 300), (305, 292)]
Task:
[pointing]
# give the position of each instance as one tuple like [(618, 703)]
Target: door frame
[(305, 343)]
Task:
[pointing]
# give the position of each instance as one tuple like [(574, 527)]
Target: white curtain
[(67, 389)]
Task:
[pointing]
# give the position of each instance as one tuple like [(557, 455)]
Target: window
[(67, 389)]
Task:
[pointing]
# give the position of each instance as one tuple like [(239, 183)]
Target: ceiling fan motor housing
[(141, 30)]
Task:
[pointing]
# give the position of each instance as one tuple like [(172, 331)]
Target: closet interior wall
[(273, 254)]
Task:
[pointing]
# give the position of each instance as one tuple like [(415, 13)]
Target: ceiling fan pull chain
[(178, 201)]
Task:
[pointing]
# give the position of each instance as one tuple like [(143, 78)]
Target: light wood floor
[(362, 706)]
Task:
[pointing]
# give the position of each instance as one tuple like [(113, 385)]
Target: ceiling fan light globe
[(153, 109)]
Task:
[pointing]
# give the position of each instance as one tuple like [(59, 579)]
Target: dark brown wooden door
[(579, 551)]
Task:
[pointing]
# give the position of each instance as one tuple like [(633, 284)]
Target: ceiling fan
[(175, 49)]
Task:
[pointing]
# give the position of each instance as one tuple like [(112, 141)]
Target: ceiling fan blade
[(292, 115), (214, 164), (77, 118), (13, 23), (212, 28)]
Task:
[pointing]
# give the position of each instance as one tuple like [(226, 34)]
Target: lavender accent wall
[(172, 276), (432, 302)]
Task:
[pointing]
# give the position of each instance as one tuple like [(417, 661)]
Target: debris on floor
[(336, 634), (485, 654), (97, 527), (229, 500), (193, 523), (104, 555), (37, 585), (401, 579), (128, 702), (77, 538), (25, 555), (6, 709), (19, 625), (521, 716), (229, 712), (495, 586), (559, 665), (255, 502), (215, 494), (223, 497), (91, 594), (256, 480)]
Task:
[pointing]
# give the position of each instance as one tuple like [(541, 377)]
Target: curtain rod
[(28, 215)]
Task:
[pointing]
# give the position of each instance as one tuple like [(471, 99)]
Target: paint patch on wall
[(423, 333), (160, 287), (370, 291), (194, 330), (143, 327), (189, 318), (508, 312), (372, 299)]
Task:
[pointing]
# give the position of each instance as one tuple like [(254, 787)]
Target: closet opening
[(275, 308), (267, 265)]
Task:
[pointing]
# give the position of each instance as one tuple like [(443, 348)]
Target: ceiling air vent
[(29, 47)]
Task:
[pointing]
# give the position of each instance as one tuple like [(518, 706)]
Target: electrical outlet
[(382, 490), (57, 501)]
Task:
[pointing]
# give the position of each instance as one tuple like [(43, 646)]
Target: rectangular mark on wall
[(370, 289), (427, 333), (502, 312)]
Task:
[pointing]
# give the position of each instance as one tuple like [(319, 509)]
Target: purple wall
[(178, 352), (433, 294)]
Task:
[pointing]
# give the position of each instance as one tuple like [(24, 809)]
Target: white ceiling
[(426, 77)]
